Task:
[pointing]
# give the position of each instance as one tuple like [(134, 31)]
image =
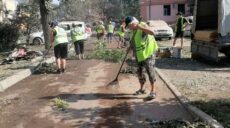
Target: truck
[(211, 15)]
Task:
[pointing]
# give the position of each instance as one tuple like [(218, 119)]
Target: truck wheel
[(226, 51), (195, 56), (227, 54)]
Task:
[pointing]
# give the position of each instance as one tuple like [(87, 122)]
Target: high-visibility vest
[(121, 32), (61, 36), (144, 46), (77, 34), (110, 28), (182, 24), (99, 29)]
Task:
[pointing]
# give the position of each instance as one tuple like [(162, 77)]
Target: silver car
[(161, 29)]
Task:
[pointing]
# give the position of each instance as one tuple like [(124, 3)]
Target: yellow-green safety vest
[(110, 28), (99, 29), (77, 34), (60, 37), (182, 24), (144, 47), (121, 32)]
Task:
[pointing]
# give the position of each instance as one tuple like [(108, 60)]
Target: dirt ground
[(29, 103), (197, 80), (206, 84)]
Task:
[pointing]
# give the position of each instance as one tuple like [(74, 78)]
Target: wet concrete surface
[(92, 104)]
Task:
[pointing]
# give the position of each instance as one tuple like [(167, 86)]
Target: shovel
[(115, 81)]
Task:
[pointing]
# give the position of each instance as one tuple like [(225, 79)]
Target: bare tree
[(44, 20)]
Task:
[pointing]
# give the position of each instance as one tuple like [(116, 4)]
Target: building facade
[(7, 9), (163, 9)]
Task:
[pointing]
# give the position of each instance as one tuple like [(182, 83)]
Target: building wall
[(157, 9), (157, 12)]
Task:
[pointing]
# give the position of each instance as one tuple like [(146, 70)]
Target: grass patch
[(106, 54), (218, 109), (61, 104)]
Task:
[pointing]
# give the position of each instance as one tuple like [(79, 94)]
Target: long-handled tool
[(115, 81), (43, 58)]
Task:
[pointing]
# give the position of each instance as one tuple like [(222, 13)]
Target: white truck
[(211, 15)]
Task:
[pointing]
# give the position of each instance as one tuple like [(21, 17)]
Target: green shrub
[(9, 35), (105, 54), (60, 103)]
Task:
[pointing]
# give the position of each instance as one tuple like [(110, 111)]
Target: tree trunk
[(44, 21)]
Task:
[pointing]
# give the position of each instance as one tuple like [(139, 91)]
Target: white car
[(36, 38), (161, 29)]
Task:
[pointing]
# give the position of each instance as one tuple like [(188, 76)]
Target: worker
[(60, 42), (110, 31), (144, 48), (180, 26), (78, 36), (100, 29), (121, 34)]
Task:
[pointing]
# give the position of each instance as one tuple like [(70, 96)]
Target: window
[(181, 8), (167, 10)]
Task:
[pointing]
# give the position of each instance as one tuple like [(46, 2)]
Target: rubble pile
[(20, 54), (46, 68)]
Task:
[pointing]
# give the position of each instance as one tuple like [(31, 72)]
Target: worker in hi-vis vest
[(78, 36), (60, 42), (180, 25), (100, 29), (121, 34), (110, 32), (144, 47)]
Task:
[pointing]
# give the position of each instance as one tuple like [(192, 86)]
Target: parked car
[(36, 38), (161, 29), (67, 25), (188, 28)]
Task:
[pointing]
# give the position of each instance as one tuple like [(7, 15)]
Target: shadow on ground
[(219, 109), (122, 114)]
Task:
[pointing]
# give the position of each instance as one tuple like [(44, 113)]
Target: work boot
[(139, 92), (152, 95), (58, 71), (63, 70)]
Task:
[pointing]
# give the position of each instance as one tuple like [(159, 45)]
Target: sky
[(55, 1)]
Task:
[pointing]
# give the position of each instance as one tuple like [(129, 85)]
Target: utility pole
[(150, 2)]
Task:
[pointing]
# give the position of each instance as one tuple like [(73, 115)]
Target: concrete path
[(29, 104)]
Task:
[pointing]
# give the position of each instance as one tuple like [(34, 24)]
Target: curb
[(13, 79), (185, 103)]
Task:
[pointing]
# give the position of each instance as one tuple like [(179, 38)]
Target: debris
[(46, 68), (21, 53), (163, 52), (175, 124)]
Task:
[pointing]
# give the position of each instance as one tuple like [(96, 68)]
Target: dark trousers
[(79, 47)]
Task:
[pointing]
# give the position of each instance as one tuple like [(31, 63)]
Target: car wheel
[(37, 41), (170, 38)]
